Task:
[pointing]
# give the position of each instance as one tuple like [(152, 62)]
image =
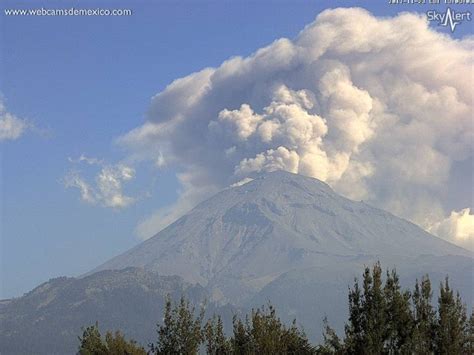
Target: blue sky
[(83, 82)]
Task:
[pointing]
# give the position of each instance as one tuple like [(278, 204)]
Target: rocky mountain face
[(246, 237), (282, 238)]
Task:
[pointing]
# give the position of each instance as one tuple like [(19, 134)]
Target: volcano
[(245, 237), (281, 237)]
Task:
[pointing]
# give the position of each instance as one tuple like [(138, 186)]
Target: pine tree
[(295, 341), (216, 342), (118, 345), (398, 318), (264, 333), (167, 341), (452, 320), (91, 342), (180, 332), (241, 341), (423, 339), (469, 346), (355, 336), (380, 320), (373, 307), (332, 343), (266, 330)]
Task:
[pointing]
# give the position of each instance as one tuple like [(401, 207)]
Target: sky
[(101, 145)]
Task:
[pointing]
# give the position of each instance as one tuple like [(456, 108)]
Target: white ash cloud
[(457, 228), (107, 187), (380, 108)]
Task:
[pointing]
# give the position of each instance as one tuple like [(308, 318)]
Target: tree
[(241, 341), (354, 329), (214, 336), (264, 333), (366, 330), (373, 308), (92, 343), (266, 330), (118, 345), (180, 332), (424, 317), (469, 346), (398, 317), (167, 341), (332, 343), (451, 330), (296, 341)]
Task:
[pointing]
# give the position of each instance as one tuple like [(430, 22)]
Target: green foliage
[(452, 326), (216, 341), (469, 346), (369, 319), (355, 335), (92, 343), (383, 319), (399, 323), (180, 332), (424, 318), (332, 343), (264, 333), (373, 311), (118, 345), (242, 342)]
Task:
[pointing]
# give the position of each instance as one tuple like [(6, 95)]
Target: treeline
[(383, 319)]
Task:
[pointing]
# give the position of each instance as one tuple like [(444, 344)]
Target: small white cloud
[(160, 160), (11, 127), (74, 180), (86, 159), (107, 189), (109, 183), (458, 228)]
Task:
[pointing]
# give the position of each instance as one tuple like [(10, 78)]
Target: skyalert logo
[(449, 18)]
